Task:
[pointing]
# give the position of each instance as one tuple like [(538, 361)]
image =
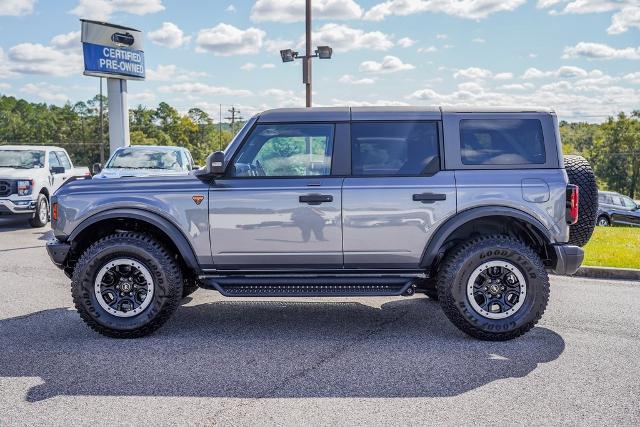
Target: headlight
[(25, 187)]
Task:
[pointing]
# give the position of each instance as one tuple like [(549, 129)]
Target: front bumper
[(14, 207), (58, 252), (568, 259)]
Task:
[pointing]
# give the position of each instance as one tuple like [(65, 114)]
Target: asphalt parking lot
[(355, 361)]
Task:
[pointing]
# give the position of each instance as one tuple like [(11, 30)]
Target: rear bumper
[(58, 252), (568, 259)]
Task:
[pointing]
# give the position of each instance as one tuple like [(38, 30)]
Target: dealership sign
[(112, 51)]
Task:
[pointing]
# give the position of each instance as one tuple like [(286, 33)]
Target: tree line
[(612, 147), (76, 127)]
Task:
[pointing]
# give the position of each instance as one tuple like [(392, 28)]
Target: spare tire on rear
[(580, 174)]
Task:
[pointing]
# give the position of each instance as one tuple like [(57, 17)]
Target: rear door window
[(502, 142), (394, 148), (64, 159)]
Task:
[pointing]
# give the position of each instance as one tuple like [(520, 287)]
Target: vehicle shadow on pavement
[(240, 349)]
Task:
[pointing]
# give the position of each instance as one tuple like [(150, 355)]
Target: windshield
[(136, 158), (21, 159)]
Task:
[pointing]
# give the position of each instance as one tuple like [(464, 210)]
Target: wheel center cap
[(494, 288), (125, 287)]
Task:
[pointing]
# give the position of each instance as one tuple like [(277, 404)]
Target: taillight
[(573, 198), (54, 212)]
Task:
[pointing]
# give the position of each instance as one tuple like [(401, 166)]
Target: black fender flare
[(446, 229), (162, 223)]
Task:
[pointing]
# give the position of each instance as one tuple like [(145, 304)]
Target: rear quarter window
[(501, 142)]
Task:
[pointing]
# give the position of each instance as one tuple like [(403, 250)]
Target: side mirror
[(216, 164), (57, 170), (96, 168)]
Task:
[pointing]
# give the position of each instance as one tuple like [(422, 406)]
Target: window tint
[(399, 148), (64, 160), (501, 142), (53, 160), (286, 150), (628, 202)]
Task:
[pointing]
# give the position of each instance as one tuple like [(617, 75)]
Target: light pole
[(322, 52)]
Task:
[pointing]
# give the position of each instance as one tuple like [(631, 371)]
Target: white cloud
[(349, 79), (34, 58), (533, 55), (169, 35), (626, 16), (231, 8), (570, 72), (503, 76), (249, 66), (268, 66), (294, 10), (428, 49), (283, 98), (600, 51), (227, 40), (145, 97), (276, 45), (389, 64), (344, 38), (170, 72), (360, 103), (468, 9), (479, 40), (589, 97), (16, 7), (46, 92), (473, 73), (67, 41), (625, 19), (406, 42), (633, 78), (202, 89), (103, 9), (534, 73), (441, 36), (5, 86)]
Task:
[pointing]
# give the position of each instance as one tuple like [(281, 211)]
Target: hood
[(120, 173), (11, 173)]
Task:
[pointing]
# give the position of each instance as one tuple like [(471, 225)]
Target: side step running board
[(310, 286)]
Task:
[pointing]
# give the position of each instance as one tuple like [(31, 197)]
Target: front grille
[(5, 188)]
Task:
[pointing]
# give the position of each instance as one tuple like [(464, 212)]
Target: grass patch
[(614, 247)]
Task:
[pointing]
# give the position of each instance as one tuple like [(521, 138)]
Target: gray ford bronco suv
[(472, 208)]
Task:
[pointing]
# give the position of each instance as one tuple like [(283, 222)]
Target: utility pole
[(220, 130), (235, 115), (306, 62), (101, 128)]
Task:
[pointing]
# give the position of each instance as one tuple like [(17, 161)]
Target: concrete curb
[(608, 273)]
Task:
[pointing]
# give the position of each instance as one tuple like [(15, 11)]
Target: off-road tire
[(581, 174), (36, 220), (189, 286), (165, 272), (456, 270)]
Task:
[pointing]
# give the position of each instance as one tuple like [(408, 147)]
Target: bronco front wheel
[(493, 288), (126, 285)]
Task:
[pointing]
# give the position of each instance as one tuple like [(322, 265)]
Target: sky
[(579, 57)]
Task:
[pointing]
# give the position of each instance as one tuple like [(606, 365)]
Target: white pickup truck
[(29, 175)]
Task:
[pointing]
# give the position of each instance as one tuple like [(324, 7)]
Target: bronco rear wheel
[(493, 288), (126, 285)]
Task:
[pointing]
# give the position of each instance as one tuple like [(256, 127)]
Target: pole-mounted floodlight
[(324, 52), (288, 55)]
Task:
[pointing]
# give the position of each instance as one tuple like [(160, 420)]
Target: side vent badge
[(198, 199)]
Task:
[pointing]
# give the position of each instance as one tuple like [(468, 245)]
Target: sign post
[(114, 52)]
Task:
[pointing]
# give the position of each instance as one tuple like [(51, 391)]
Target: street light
[(322, 52)]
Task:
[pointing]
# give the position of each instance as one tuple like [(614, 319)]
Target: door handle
[(429, 197), (315, 199)]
